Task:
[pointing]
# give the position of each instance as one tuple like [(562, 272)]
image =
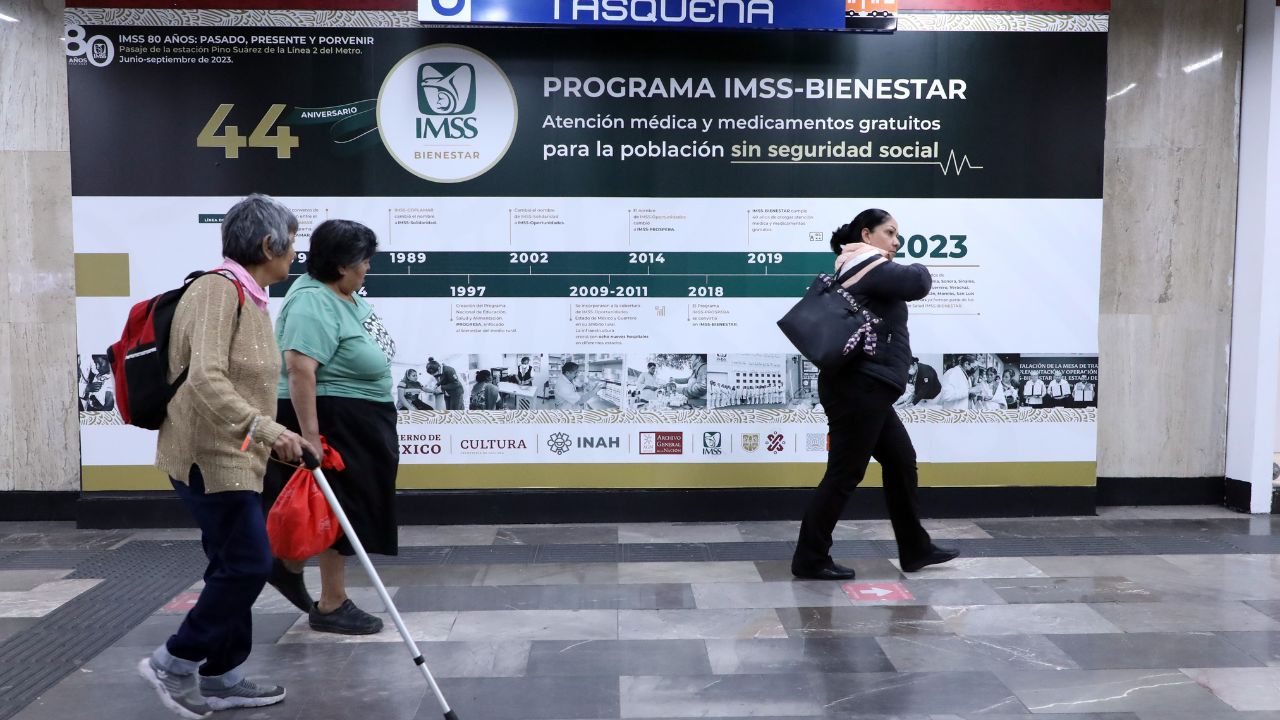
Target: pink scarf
[(251, 287)]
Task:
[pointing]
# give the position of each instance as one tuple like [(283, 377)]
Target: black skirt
[(364, 434)]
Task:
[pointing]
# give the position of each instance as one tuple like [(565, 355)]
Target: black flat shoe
[(347, 619), (936, 556), (831, 572), (290, 585)]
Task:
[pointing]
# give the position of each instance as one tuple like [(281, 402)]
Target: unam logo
[(559, 443), (447, 113)]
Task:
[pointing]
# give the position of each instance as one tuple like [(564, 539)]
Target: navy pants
[(219, 629)]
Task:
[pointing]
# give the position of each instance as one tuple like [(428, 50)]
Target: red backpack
[(140, 359)]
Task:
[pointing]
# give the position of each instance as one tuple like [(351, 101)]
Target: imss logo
[(447, 113), (712, 443)]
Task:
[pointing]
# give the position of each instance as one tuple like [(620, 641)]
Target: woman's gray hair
[(252, 219)]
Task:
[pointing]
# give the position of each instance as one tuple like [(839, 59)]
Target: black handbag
[(830, 326)]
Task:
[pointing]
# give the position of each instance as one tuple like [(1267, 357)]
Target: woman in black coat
[(858, 400)]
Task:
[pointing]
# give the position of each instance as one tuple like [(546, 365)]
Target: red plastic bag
[(301, 524)]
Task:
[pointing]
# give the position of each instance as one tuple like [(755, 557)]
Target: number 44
[(231, 140)]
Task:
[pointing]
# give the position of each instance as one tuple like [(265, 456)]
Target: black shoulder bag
[(830, 326)]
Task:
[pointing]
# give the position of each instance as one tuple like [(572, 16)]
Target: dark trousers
[(219, 629), (863, 425), (455, 397)]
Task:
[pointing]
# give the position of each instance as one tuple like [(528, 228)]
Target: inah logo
[(447, 113), (559, 443)]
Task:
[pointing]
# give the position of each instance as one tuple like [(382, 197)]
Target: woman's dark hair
[(568, 367), (868, 219), (336, 244), (483, 376), (433, 367), (653, 366), (524, 359)]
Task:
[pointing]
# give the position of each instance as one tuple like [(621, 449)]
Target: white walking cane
[(313, 464)]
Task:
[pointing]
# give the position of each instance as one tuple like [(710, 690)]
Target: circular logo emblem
[(559, 443), (447, 113)]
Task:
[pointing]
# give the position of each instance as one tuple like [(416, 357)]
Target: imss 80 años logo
[(447, 113)]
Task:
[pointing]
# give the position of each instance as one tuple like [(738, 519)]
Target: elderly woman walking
[(337, 384), (219, 430)]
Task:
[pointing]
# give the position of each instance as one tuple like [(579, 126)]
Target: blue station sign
[(705, 14)]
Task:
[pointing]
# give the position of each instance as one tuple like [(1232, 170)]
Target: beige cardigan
[(235, 364)]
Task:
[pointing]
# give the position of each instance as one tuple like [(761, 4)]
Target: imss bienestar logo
[(447, 113)]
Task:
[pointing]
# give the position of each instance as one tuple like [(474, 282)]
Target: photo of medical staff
[(97, 388), (1061, 381), (974, 381), (666, 381), (760, 381), (581, 381), (923, 382), (476, 381), (411, 394)]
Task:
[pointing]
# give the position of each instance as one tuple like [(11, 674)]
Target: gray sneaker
[(245, 693), (179, 693)]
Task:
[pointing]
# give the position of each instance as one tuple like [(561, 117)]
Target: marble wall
[(1168, 236), (39, 438)]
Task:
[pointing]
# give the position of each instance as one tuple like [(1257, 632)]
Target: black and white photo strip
[(96, 388), (747, 381), (582, 381), (1001, 381), (667, 381), (480, 381)]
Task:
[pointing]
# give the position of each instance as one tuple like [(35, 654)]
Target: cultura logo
[(447, 113)]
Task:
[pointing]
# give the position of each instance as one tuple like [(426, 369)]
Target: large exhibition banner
[(643, 204)]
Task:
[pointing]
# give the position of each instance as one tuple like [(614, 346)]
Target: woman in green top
[(336, 382)]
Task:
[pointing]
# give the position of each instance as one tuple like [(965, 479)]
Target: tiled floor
[(700, 620)]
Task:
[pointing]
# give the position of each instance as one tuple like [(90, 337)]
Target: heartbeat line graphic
[(960, 166), (946, 166)]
